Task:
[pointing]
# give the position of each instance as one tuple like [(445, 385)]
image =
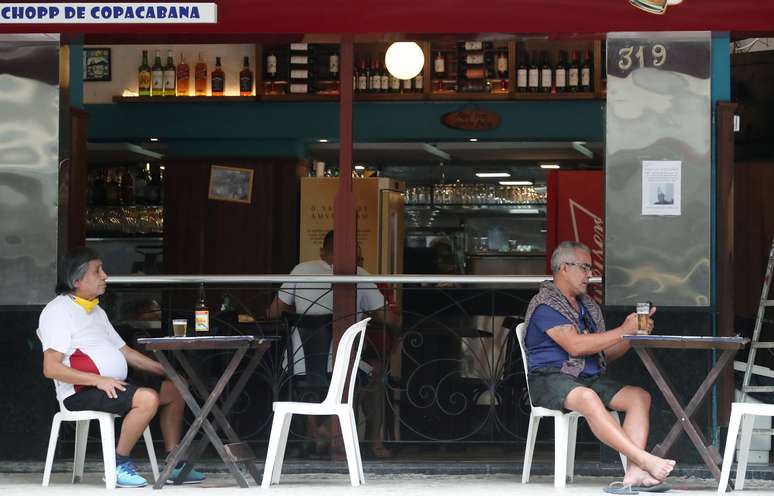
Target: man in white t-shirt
[(88, 362), (316, 299)]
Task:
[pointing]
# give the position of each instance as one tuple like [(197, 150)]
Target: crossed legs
[(630, 439), (145, 404)]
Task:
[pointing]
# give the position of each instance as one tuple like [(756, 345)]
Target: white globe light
[(404, 59)]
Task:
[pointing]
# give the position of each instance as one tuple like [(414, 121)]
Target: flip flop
[(661, 487), (618, 487)]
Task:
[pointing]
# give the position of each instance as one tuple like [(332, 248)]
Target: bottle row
[(129, 185), (494, 68), (475, 194), (175, 80)]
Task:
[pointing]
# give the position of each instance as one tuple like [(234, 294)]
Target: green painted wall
[(285, 129)]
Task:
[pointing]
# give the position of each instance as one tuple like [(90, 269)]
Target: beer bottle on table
[(201, 315)]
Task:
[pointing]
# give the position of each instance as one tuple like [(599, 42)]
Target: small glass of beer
[(179, 327), (643, 316)]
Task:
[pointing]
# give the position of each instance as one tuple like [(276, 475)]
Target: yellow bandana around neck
[(87, 305)]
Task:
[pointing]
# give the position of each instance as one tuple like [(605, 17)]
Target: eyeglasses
[(582, 266)]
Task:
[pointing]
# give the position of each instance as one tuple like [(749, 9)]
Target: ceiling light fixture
[(153, 140), (360, 167), (493, 174), (404, 59), (549, 166), (473, 139), (516, 183), (322, 140)]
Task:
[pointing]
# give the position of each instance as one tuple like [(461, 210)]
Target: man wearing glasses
[(568, 348)]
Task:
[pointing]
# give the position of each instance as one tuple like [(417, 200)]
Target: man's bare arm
[(139, 361), (577, 344), (54, 368), (276, 308)]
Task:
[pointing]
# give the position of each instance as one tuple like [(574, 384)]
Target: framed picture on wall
[(231, 184), (96, 64)]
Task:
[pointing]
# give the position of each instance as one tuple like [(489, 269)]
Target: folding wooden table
[(234, 452), (644, 344)]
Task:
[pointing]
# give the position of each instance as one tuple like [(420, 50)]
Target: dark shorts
[(92, 398), (548, 387)]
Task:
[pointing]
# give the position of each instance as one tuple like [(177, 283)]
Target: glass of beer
[(179, 327), (643, 316)]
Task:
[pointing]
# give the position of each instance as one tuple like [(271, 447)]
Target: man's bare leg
[(635, 403), (145, 403), (171, 416), (607, 430)]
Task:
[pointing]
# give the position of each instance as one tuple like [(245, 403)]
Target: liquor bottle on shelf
[(112, 192), (127, 187), (201, 315), (271, 66), (183, 77), (200, 77), (98, 192), (140, 183), (157, 76), (333, 71), (362, 77), (395, 84), (573, 73), (385, 77), (533, 76), (169, 75), (502, 64), (408, 85), (153, 188), (246, 78), (439, 71), (376, 78), (560, 73), (419, 82), (218, 81), (144, 76), (546, 75), (586, 73), (521, 72)]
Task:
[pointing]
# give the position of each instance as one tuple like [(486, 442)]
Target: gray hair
[(73, 267), (565, 252)]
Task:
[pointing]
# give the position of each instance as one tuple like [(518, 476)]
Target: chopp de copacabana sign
[(109, 13)]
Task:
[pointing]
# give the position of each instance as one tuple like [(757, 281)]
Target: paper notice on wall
[(661, 187)]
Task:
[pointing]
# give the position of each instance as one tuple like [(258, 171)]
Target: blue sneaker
[(194, 476), (126, 476)]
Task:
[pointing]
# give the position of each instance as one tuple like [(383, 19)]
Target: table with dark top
[(644, 346), (234, 452)]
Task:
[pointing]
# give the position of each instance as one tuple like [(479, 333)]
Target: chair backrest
[(342, 363), (521, 333), (54, 381)]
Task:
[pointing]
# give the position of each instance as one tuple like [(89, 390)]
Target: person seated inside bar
[(89, 361), (317, 299), (568, 348)]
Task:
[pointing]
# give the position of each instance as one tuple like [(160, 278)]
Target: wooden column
[(344, 295), (725, 239)]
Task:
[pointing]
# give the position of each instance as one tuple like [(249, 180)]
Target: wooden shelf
[(557, 96), (183, 99)]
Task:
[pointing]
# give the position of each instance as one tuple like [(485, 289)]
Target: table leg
[(684, 415), (220, 413), (200, 420)]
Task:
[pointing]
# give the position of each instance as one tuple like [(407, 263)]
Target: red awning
[(452, 16)]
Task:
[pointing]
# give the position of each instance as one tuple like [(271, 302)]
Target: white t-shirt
[(314, 298), (88, 340)]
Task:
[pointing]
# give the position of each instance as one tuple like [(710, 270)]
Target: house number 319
[(628, 55)]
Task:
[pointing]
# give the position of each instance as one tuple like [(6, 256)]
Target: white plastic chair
[(742, 418), (331, 405), (107, 430), (565, 430)]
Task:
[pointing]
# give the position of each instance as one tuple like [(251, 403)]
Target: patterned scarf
[(550, 295)]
